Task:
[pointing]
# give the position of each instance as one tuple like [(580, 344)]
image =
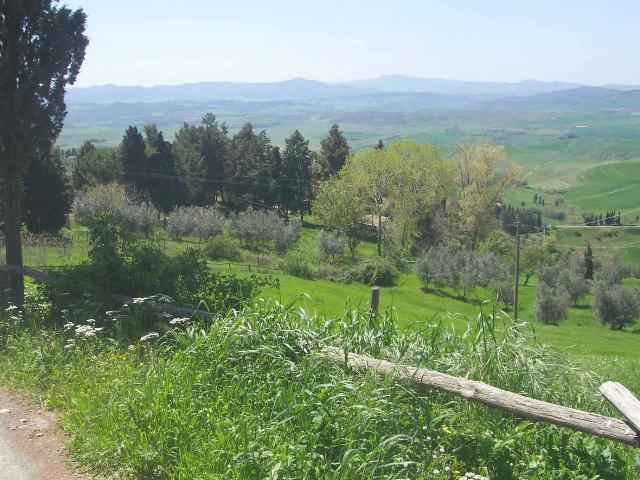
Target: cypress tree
[(296, 168), (47, 193), (588, 262), (134, 160)]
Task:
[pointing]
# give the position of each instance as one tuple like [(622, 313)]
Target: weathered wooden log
[(623, 400), (164, 307), (28, 271), (480, 392)]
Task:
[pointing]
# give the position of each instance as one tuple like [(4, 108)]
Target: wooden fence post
[(623, 400)]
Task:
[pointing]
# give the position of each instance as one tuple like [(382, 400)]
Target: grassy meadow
[(408, 301)]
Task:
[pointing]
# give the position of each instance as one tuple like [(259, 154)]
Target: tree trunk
[(379, 235), (12, 203)]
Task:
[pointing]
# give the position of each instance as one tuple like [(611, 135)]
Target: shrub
[(610, 271), (330, 245), (502, 291), (373, 271), (112, 200), (255, 227), (551, 304), (615, 305), (463, 270), (285, 236), (574, 283), (209, 222), (181, 222), (143, 216), (109, 199), (223, 248), (202, 222), (296, 264)]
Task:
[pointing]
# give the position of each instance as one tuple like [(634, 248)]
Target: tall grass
[(246, 397)]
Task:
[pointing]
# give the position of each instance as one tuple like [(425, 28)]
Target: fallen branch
[(480, 392)]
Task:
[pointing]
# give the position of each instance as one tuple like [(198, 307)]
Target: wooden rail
[(472, 390), (480, 392)]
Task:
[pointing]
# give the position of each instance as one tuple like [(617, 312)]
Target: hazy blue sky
[(141, 42)]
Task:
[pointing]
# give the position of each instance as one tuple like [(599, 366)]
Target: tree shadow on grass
[(443, 293)]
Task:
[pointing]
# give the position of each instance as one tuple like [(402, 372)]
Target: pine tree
[(163, 181), (334, 148), (134, 161), (247, 171), (296, 169), (47, 193)]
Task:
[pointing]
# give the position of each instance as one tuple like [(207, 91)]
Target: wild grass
[(246, 396)]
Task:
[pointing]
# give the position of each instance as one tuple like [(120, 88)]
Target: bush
[(373, 271), (181, 222), (502, 291), (296, 264), (202, 222), (209, 222), (574, 283), (615, 305), (610, 271), (285, 236), (254, 228), (551, 304), (223, 248), (111, 200), (330, 245), (463, 270)]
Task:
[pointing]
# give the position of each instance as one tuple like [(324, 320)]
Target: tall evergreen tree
[(47, 193), (588, 262), (334, 148), (134, 161), (296, 172), (95, 166), (211, 140), (42, 47), (163, 180), (214, 145), (248, 173)]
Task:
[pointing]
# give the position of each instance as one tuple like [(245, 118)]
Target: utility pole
[(515, 292)]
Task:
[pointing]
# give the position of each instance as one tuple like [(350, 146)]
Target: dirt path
[(31, 444)]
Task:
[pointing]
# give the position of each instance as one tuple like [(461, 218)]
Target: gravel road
[(31, 444)]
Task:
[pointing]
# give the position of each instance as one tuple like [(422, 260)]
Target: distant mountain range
[(303, 89)]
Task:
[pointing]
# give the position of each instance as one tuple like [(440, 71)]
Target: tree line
[(203, 165)]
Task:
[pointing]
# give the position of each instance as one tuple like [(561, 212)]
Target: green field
[(614, 186)]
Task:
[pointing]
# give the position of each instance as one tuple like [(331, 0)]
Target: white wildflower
[(10, 307), (68, 326), (131, 348), (149, 336), (446, 469), (436, 471), (91, 321), (179, 321), (441, 449)]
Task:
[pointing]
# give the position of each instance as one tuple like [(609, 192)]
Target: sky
[(144, 42)]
